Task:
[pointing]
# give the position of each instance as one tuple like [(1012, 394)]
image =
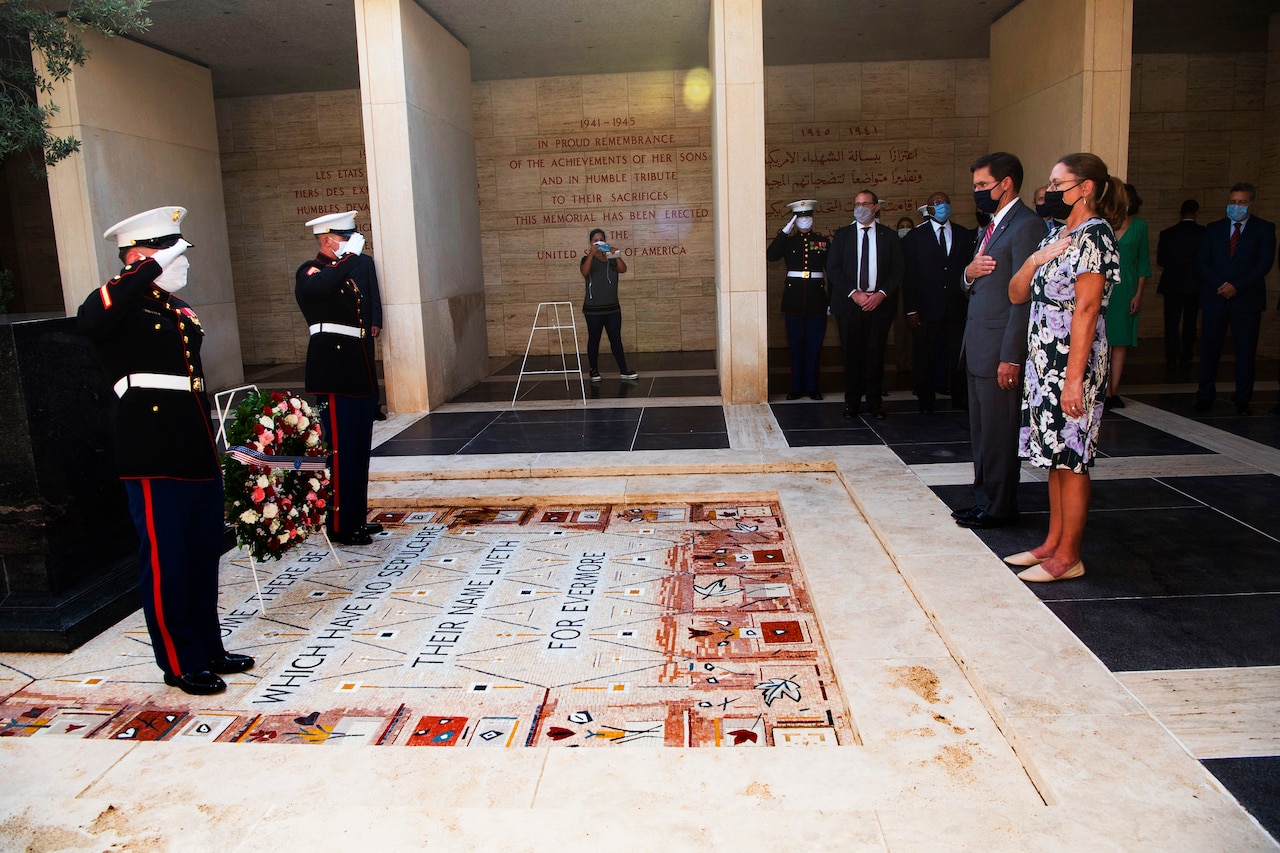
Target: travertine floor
[(1025, 741)]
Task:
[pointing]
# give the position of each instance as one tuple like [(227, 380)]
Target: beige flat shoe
[(1036, 574), (1024, 558)]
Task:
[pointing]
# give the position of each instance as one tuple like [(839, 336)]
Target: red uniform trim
[(333, 450), (158, 601), (106, 296)]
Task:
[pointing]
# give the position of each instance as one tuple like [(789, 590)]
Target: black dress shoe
[(229, 663), (983, 521), (202, 683), (1244, 410), (356, 537), (1202, 405), (379, 415), (849, 413), (967, 512), (371, 527), (794, 395), (878, 413), (816, 395)]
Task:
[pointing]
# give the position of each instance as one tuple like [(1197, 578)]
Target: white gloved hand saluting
[(790, 226), (353, 246), (165, 257)]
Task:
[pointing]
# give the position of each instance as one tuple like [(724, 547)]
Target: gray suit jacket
[(995, 330)]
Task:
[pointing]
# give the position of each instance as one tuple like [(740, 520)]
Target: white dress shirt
[(872, 257)]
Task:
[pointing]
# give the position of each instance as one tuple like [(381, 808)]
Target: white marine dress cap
[(157, 228), (804, 205), (333, 222)]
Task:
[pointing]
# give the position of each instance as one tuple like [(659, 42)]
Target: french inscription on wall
[(558, 156), (285, 159)]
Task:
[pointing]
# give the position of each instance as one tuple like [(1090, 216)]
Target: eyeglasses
[(865, 203), (986, 185), (1054, 186)]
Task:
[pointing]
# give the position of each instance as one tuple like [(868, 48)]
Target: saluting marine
[(148, 341), (332, 290), (804, 295)]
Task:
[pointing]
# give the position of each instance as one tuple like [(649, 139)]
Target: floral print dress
[(1048, 438)]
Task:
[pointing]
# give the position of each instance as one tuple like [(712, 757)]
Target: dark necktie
[(864, 263), (942, 239), (1235, 239)]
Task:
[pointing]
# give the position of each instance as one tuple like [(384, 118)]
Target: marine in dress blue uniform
[(804, 296), (334, 290), (148, 341)]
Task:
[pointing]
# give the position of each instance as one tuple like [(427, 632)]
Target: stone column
[(415, 92), (1060, 74), (737, 155), (148, 138), (1269, 184)]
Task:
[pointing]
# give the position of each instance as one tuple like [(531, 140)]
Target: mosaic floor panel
[(500, 625)]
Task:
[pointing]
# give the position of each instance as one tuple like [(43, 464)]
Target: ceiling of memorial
[(254, 47)]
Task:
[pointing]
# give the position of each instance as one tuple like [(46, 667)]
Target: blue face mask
[(1237, 212), (941, 213)]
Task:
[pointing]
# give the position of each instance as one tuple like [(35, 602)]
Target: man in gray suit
[(995, 339)]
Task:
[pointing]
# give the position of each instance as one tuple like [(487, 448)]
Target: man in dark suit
[(935, 254), (1235, 256), (864, 270), (995, 339), (1177, 254)]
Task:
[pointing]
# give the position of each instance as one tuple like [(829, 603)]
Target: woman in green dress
[(1122, 311)]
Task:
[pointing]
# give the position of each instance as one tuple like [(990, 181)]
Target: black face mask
[(983, 201), (1055, 206), (983, 218), (1042, 210)]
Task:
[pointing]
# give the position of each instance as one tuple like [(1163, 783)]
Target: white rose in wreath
[(270, 511)]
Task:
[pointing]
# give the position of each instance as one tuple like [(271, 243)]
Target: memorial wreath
[(275, 473)]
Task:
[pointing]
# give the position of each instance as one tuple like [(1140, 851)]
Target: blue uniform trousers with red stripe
[(179, 525), (348, 428)]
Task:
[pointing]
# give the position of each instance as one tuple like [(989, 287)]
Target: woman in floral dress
[(1068, 279)]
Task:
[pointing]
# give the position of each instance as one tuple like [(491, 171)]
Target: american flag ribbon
[(245, 456)]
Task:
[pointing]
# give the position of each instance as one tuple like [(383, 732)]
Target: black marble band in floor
[(562, 431)]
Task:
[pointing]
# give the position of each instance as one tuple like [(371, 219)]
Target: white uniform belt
[(806, 274), (337, 329), (161, 381)]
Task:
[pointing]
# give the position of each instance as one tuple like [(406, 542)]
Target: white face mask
[(174, 277), (864, 215), (804, 222)]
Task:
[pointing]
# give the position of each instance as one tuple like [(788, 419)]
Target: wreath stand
[(222, 401), (553, 322)]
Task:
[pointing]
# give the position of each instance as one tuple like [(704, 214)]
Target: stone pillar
[(415, 93), (737, 177), (1269, 184), (1060, 74), (148, 138)]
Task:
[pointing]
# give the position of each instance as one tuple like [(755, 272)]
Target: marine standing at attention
[(804, 296), (148, 341), (340, 368)]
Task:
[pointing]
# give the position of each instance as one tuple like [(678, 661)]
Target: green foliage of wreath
[(274, 508)]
